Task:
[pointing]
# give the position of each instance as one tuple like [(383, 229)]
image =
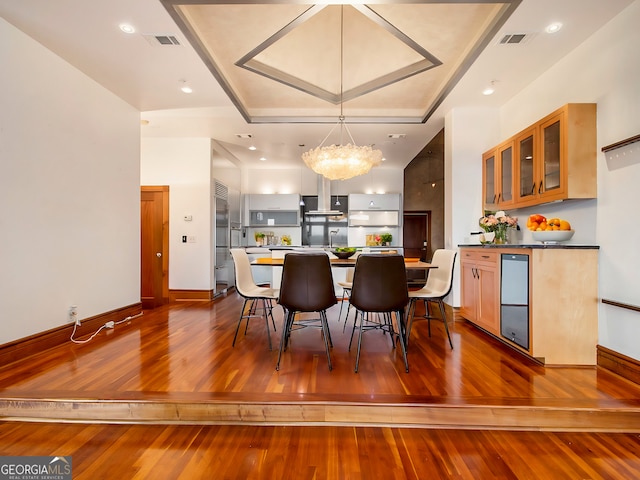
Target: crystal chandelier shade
[(340, 162)]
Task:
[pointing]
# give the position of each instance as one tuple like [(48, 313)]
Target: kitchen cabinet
[(272, 210), (374, 210), (563, 300), (276, 201), (480, 286), (498, 177), (366, 201), (553, 159)]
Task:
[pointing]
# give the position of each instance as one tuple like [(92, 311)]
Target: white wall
[(69, 192), (304, 181), (468, 133), (184, 164)]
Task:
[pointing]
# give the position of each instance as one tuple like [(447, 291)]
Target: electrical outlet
[(73, 314)]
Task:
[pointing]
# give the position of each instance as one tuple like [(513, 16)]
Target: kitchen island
[(540, 299)]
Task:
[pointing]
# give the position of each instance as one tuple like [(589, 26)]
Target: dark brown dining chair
[(379, 290), (306, 287)]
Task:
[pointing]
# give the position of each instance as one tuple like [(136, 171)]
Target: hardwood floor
[(244, 452), (191, 405)]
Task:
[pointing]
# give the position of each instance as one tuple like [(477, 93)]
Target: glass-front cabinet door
[(552, 181), (526, 165), (505, 189), (489, 187)]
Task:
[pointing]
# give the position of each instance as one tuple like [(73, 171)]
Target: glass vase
[(501, 236)]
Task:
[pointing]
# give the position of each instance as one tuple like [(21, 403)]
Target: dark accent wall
[(424, 171)]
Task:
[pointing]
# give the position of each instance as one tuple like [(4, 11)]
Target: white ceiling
[(283, 121)]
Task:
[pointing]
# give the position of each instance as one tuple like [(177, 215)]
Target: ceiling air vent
[(515, 38), (161, 40)]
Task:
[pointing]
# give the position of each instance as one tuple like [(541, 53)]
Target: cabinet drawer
[(484, 255)]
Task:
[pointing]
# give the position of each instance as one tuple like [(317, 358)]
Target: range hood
[(324, 199)]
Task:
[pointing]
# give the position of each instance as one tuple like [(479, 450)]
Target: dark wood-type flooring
[(165, 396)]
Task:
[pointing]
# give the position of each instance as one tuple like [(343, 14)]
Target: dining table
[(410, 263)]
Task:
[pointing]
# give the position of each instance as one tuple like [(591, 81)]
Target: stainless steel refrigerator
[(222, 262)]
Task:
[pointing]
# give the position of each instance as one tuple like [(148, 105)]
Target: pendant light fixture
[(340, 162)]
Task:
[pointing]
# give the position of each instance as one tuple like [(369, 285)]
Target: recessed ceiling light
[(263, 159), (184, 86), (553, 28), (252, 147), (126, 28), (490, 89)]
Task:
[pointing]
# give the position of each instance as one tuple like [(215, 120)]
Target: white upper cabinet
[(272, 210), (277, 201), (366, 201)]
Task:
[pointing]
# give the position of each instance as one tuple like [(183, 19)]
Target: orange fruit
[(564, 225), (543, 226)]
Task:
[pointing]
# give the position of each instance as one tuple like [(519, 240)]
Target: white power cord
[(110, 324)]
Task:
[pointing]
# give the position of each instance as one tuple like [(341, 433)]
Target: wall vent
[(158, 40), (515, 38)]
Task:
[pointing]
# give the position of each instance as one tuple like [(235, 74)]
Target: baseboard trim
[(619, 364), (24, 347), (190, 295)]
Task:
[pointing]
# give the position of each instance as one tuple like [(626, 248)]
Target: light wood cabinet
[(553, 159), (563, 300), (481, 288), (498, 177)]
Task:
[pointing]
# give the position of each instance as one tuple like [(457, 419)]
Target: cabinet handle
[(540, 188), (499, 195), (486, 256), (494, 199), (533, 188)]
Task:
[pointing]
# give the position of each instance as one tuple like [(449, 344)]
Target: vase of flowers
[(499, 223)]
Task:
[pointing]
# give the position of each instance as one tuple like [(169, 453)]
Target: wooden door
[(416, 242), (154, 246)]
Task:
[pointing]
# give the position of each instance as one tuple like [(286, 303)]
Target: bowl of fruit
[(552, 230), (343, 252)]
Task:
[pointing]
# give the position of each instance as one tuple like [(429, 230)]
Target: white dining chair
[(438, 286), (255, 297)]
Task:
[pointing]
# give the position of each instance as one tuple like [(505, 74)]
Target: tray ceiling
[(288, 62)]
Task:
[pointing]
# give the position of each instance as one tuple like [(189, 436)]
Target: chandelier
[(340, 162)]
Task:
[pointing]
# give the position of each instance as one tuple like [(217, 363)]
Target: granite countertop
[(532, 245)]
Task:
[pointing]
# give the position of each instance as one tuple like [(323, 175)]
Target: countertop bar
[(574, 246)]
